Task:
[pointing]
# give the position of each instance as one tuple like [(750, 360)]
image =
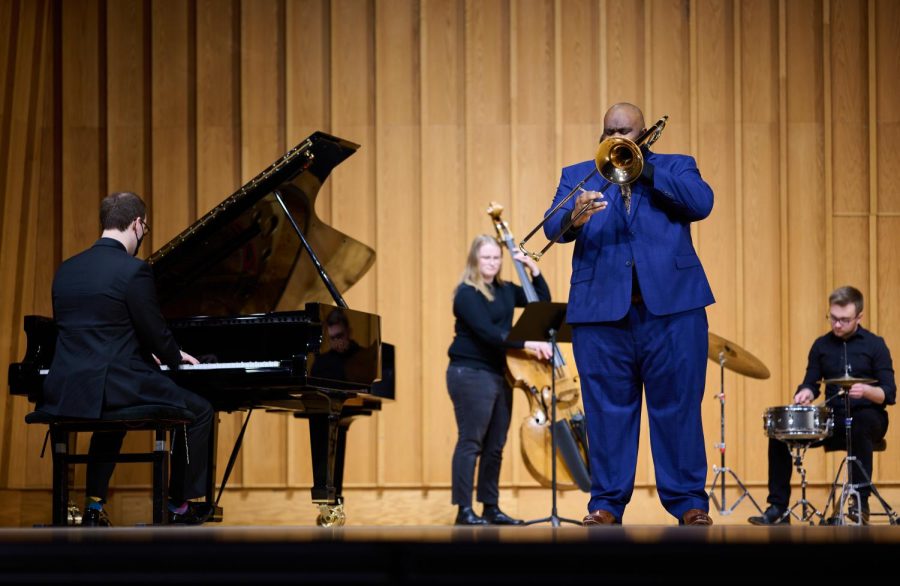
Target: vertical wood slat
[(872, 120), (443, 174), (25, 71), (127, 145), (762, 221), (805, 185), (738, 429), (716, 101), (886, 153), (262, 141), (218, 152), (398, 194), (307, 95), (352, 110)]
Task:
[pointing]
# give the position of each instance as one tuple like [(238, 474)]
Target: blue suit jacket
[(654, 241)]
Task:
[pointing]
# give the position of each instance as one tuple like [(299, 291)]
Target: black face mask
[(140, 239)]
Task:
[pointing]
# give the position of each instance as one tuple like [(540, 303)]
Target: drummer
[(847, 349)]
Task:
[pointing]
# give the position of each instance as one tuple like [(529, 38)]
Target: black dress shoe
[(772, 516), (95, 518), (467, 516), (196, 514), (494, 516)]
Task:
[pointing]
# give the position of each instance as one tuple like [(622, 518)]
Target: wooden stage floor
[(444, 555)]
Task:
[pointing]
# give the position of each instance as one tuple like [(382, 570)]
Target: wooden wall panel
[(398, 193), (443, 176), (488, 111), (533, 169), (172, 201), (353, 117), (26, 64), (805, 188), (307, 92), (849, 101), (887, 51), (887, 464), (128, 143), (83, 156), (788, 106), (218, 139), (262, 141), (715, 156), (624, 30), (760, 217)]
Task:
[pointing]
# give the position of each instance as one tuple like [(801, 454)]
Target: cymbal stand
[(554, 519), (721, 471), (849, 488), (807, 510)]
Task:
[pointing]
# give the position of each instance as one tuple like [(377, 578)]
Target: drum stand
[(720, 471), (849, 488), (807, 510)]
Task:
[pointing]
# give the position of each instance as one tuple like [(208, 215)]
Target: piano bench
[(62, 431)]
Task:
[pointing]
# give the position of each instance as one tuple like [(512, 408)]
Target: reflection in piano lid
[(245, 257)]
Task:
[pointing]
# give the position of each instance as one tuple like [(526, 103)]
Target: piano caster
[(73, 514), (331, 516)]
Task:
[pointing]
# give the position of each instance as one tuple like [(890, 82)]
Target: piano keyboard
[(215, 366)]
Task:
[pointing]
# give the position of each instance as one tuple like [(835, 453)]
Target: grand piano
[(253, 290)]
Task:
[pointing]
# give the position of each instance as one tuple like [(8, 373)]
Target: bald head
[(623, 119)]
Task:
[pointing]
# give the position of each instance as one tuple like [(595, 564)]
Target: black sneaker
[(773, 516), (95, 518), (853, 510)]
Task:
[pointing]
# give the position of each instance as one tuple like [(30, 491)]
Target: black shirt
[(868, 357), (482, 325)]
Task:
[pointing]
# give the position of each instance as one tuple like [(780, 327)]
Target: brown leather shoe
[(696, 517), (599, 517)]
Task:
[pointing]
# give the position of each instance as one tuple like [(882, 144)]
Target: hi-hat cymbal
[(736, 358), (847, 381)]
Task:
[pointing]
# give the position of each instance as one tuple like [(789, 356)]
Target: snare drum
[(798, 423)]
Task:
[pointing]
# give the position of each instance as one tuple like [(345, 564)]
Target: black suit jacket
[(109, 321)]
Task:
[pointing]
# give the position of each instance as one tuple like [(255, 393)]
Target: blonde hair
[(471, 275)]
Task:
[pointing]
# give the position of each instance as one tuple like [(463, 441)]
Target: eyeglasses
[(844, 321), (145, 226)]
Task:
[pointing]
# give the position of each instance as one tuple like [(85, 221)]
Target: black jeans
[(482, 402), (869, 426)]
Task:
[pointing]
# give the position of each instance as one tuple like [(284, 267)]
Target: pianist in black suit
[(482, 399), (111, 332)]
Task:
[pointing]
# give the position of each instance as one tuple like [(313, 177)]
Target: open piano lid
[(244, 256)]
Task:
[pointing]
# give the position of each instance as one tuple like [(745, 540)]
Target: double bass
[(528, 373)]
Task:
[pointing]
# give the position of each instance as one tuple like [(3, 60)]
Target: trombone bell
[(619, 160)]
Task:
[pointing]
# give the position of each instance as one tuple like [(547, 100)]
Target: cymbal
[(736, 358), (847, 381)]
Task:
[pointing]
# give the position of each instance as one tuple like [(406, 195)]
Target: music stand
[(544, 320)]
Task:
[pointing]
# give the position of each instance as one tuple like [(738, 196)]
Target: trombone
[(619, 160)]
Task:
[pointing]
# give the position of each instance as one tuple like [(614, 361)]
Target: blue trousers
[(666, 355)]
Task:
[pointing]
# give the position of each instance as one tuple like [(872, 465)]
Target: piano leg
[(212, 499), (327, 441)]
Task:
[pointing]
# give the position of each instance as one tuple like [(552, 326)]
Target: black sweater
[(482, 325)]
